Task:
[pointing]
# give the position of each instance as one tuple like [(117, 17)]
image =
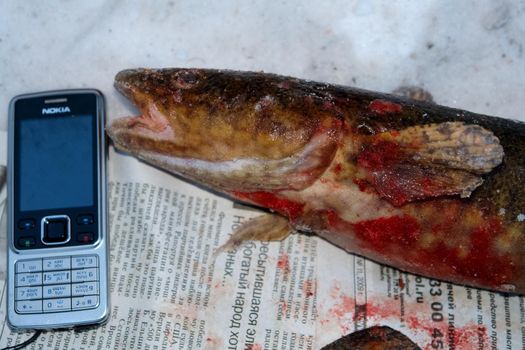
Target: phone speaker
[(56, 100)]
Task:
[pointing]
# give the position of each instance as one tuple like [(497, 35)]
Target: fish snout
[(129, 81)]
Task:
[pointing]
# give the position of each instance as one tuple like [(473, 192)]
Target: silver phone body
[(59, 264)]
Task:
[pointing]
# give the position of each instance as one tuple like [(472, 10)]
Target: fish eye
[(185, 79)]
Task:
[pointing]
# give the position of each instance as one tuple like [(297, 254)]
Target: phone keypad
[(60, 284)]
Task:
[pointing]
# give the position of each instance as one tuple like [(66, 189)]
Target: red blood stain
[(213, 343), (419, 323), (345, 306), (272, 201), (362, 184), (379, 154), (283, 263), (382, 232), (324, 322), (384, 107), (389, 236), (395, 177), (308, 288), (335, 290), (390, 185), (472, 265), (344, 312), (253, 346), (284, 307), (469, 336), (401, 283), (337, 169)]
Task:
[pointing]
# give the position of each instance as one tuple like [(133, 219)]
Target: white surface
[(468, 54)]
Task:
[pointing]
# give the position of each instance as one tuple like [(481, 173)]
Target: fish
[(424, 188), (373, 338)]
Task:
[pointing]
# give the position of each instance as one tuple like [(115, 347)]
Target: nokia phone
[(57, 258)]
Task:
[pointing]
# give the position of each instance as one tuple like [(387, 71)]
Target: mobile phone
[(57, 258)]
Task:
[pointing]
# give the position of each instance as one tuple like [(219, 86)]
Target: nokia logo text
[(53, 110)]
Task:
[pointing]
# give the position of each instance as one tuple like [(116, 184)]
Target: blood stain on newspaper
[(417, 321), (309, 288), (283, 263)]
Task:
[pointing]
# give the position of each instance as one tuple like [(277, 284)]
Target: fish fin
[(267, 227), (407, 183), (433, 160)]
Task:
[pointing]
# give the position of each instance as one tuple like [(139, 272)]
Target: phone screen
[(56, 162)]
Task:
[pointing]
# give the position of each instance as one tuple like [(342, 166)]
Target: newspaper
[(169, 290)]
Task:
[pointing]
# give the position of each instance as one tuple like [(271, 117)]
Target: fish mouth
[(151, 124), (121, 81)]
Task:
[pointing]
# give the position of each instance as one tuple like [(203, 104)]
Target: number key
[(57, 277), (57, 264), (80, 262), (29, 265), (29, 279), (84, 275)]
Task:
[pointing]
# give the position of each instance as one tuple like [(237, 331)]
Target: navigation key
[(26, 224), (85, 219)]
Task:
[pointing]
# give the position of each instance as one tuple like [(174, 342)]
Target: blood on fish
[(381, 232), (403, 230), (384, 107), (481, 262), (379, 154), (390, 186), (362, 184), (380, 158), (272, 201), (395, 176)]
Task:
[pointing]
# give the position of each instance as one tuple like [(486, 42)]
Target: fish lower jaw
[(145, 126), (128, 133)]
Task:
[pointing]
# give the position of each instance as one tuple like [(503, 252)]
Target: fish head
[(225, 129)]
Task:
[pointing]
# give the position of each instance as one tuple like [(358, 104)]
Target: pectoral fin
[(267, 227), (428, 161)]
